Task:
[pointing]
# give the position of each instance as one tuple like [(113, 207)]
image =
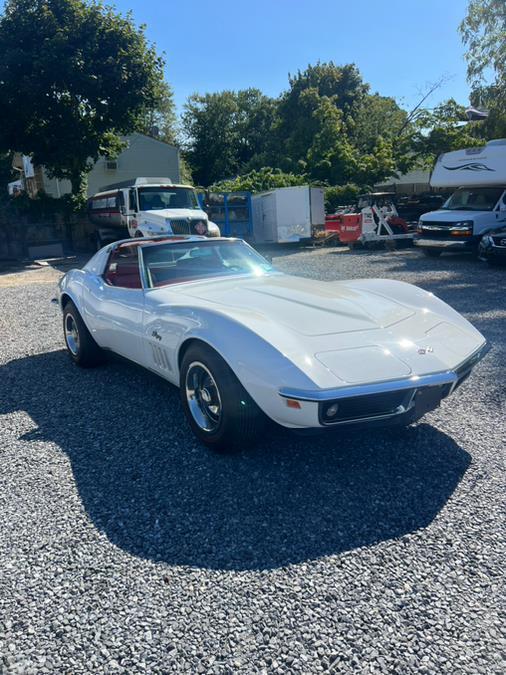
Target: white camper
[(286, 215), (478, 205)]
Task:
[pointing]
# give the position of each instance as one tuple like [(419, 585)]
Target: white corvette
[(245, 342)]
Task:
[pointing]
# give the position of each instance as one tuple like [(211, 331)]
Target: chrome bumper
[(443, 243), (417, 388)]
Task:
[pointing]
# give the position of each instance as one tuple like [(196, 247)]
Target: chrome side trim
[(416, 381)]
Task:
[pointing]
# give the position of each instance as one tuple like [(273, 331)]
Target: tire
[(221, 413), (81, 346), (432, 252)]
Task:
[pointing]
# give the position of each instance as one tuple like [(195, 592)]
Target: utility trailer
[(373, 220), (287, 215)]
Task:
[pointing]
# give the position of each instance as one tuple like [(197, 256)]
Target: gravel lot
[(126, 547)]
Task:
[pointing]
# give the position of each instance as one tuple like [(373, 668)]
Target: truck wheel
[(221, 413), (432, 252), (81, 346)]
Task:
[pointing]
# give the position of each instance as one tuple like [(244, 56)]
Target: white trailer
[(286, 215), (478, 205)]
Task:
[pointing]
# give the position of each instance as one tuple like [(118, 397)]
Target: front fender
[(261, 368)]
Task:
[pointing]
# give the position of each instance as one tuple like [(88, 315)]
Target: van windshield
[(473, 199), (160, 197)]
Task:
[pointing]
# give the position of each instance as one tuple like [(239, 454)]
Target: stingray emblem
[(470, 166), (425, 350)]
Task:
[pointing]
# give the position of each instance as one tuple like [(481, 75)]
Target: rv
[(476, 207), (147, 207)]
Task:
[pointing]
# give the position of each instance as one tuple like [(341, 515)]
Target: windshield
[(189, 261), (473, 199), (158, 197)]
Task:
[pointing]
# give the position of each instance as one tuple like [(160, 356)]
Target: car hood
[(163, 214), (447, 216), (342, 332)]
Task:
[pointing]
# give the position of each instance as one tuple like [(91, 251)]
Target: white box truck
[(476, 207), (147, 207), (286, 215)]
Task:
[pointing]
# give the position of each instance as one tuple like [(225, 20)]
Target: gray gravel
[(126, 547)]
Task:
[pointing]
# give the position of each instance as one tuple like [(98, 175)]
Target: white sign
[(28, 167)]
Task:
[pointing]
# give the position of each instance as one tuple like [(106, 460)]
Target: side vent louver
[(160, 357)]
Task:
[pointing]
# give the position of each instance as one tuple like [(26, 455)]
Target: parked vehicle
[(147, 207), (286, 215), (478, 205), (412, 207), (377, 220), (245, 342), (493, 247)]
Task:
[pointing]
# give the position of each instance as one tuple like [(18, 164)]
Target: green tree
[(226, 132), (160, 113), (484, 33), (258, 181), (331, 157), (443, 129), (298, 118), (74, 75)]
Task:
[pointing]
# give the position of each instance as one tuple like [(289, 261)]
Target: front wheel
[(221, 413), (432, 252)]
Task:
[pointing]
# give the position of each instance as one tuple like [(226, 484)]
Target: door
[(115, 304), (132, 212)]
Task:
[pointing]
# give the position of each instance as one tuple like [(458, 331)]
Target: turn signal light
[(292, 403), (460, 233)]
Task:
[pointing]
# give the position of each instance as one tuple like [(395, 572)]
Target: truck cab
[(147, 207), (476, 207)]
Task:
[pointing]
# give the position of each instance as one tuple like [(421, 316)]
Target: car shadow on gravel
[(157, 494)]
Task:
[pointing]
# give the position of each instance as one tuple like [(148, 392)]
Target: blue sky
[(399, 46)]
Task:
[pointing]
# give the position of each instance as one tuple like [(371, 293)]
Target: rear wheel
[(432, 252), (221, 413), (81, 346)]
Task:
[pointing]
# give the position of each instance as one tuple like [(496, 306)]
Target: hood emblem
[(426, 350)]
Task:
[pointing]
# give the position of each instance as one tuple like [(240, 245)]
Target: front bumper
[(454, 244), (396, 401)]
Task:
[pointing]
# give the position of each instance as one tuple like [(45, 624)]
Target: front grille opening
[(187, 225), (361, 407)]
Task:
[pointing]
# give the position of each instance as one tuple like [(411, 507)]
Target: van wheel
[(432, 252), (221, 413)]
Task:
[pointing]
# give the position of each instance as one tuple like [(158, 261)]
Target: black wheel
[(432, 252), (81, 346), (221, 413)]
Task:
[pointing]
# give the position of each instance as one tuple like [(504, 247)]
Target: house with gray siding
[(143, 156)]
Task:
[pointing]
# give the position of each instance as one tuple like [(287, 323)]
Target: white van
[(478, 205), (147, 207)]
